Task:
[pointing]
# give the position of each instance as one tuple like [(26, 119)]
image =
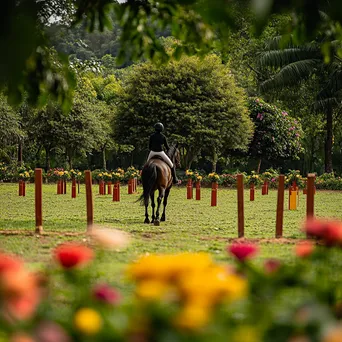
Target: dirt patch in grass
[(30, 233), (281, 241)]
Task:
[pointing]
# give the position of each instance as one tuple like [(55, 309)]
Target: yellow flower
[(192, 317), (88, 321), (246, 334), (79, 174), (168, 267), (199, 178), (151, 289), (100, 174)]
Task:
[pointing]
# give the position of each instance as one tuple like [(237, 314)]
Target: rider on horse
[(157, 140)]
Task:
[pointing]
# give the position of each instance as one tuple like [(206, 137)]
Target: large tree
[(292, 64), (196, 99)]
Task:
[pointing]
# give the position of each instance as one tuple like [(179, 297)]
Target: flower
[(304, 249), (243, 251), (88, 321), (329, 231), (192, 317), (272, 266), (151, 289), (334, 334), (21, 337), (110, 238), (105, 293), (71, 255), (51, 332)]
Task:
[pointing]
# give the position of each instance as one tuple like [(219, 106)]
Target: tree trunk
[(20, 152), (47, 159), (214, 162), (259, 166), (329, 142), (104, 158)]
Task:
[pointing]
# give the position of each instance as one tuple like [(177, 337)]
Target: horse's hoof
[(163, 219), (147, 221), (156, 223)]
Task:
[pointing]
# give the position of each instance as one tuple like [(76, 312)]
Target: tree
[(10, 132), (299, 63), (30, 67), (197, 100), (276, 136)]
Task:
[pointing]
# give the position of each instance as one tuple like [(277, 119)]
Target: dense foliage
[(197, 100), (277, 135)]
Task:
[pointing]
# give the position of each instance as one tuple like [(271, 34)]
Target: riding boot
[(174, 176)]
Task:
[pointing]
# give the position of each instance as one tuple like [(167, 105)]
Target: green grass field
[(191, 225)]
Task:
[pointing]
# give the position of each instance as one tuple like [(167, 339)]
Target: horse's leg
[(146, 211), (159, 199), (167, 192), (153, 206)]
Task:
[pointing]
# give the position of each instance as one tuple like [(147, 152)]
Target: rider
[(157, 140)]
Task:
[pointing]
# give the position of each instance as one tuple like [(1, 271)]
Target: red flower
[(243, 251), (106, 294), (304, 249), (329, 231), (72, 255), (272, 265), (9, 263), (315, 228)]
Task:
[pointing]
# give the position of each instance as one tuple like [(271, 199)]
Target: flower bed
[(181, 297)]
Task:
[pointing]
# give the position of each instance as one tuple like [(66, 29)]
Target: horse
[(156, 175)]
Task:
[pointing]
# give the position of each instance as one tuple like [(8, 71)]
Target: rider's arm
[(150, 144), (166, 144)]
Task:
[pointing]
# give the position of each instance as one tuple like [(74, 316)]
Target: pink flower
[(243, 251), (106, 294), (271, 265), (329, 231)]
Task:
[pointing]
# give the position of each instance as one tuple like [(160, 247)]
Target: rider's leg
[(174, 176)]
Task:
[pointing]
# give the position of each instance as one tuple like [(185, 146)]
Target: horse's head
[(174, 155)]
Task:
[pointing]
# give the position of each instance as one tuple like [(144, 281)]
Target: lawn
[(191, 225)]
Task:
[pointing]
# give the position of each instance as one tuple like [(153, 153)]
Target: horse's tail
[(148, 177)]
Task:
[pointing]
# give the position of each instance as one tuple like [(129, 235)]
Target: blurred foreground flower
[(106, 294), (19, 289), (110, 238), (304, 249), (70, 255), (330, 232), (51, 332), (191, 279), (88, 321), (243, 251)]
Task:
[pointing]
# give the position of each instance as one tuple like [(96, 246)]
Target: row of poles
[(240, 202)]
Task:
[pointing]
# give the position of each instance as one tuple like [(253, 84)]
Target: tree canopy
[(196, 99)]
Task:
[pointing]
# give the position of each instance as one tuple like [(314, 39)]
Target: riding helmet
[(159, 127)]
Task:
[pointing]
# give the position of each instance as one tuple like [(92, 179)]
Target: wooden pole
[(214, 189), (38, 184), (198, 191), (310, 196), (89, 198), (252, 192), (20, 187), (24, 188), (240, 194), (73, 188), (280, 207), (189, 189)]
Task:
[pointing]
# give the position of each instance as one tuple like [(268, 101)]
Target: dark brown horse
[(156, 175)]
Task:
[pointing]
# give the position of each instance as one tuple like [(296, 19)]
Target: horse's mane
[(172, 150)]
